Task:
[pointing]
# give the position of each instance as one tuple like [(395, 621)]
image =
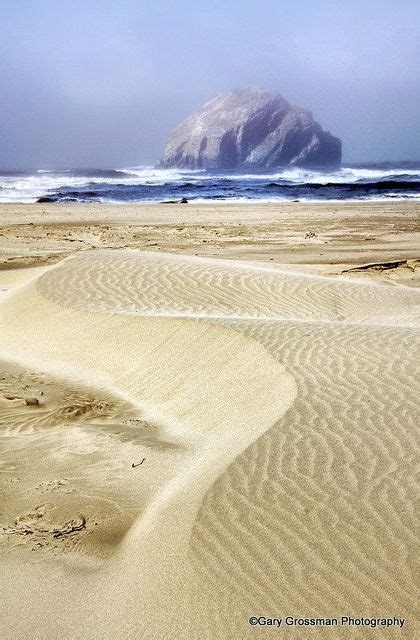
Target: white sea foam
[(153, 174), (298, 175), (28, 187)]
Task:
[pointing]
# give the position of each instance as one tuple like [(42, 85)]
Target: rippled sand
[(272, 417)]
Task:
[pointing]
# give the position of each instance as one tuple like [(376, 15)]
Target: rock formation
[(250, 128)]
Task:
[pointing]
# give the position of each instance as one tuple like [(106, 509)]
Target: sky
[(102, 83)]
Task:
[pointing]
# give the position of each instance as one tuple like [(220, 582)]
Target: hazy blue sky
[(101, 83)]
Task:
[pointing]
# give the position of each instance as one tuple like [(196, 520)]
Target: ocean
[(383, 181)]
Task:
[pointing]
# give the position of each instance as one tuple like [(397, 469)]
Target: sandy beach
[(208, 413)]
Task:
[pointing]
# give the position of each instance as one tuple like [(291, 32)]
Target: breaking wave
[(149, 184)]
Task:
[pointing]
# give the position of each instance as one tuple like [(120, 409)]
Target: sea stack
[(250, 128)]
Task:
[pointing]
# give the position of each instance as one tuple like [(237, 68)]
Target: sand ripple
[(295, 400), (317, 515), (120, 282)]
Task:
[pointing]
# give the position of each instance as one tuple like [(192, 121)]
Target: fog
[(101, 83)]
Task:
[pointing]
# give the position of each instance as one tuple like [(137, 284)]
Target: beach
[(208, 414)]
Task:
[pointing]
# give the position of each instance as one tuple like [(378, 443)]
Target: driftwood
[(384, 266), (138, 464)]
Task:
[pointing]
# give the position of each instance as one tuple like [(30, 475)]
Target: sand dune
[(275, 411), (186, 286)]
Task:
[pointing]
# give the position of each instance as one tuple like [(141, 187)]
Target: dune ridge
[(293, 400), (206, 287)]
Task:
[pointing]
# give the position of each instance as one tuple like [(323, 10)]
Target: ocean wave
[(149, 184), (297, 175), (354, 186)]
